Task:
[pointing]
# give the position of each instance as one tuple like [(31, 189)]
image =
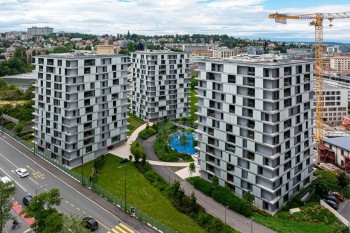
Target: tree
[(191, 168), (42, 209), (343, 181), (215, 181), (183, 139), (193, 202), (73, 224), (249, 197), (5, 203)]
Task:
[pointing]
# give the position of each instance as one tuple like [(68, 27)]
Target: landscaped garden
[(134, 123), (149, 192), (312, 218), (165, 129)]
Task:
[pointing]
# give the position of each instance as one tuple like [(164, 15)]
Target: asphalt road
[(76, 199)]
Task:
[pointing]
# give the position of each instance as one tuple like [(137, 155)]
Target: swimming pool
[(188, 148)]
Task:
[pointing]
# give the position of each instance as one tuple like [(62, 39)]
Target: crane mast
[(319, 59)]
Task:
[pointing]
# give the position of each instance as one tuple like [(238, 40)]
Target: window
[(231, 78)]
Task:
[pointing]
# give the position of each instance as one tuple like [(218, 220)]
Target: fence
[(144, 217)]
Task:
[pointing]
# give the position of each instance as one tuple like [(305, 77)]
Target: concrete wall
[(340, 217)]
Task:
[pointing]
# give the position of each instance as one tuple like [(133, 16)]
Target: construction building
[(160, 85), (105, 49), (335, 104), (80, 105), (336, 151), (255, 127), (340, 63)]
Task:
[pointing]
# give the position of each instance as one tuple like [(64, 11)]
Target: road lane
[(42, 179)]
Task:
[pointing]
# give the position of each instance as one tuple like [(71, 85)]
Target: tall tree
[(42, 208), (5, 203), (73, 224), (191, 168)]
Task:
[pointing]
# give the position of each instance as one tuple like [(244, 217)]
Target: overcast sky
[(239, 18)]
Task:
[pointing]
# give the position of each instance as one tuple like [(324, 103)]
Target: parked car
[(22, 172), (90, 223), (27, 199), (332, 198), (6, 180), (332, 204), (339, 196)]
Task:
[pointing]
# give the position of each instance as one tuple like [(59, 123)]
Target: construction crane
[(317, 22)]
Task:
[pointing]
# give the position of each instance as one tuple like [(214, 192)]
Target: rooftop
[(159, 52), (342, 142), (81, 54), (258, 60)]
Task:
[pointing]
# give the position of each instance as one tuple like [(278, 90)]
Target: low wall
[(339, 216)]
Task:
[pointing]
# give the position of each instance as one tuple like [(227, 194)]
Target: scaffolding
[(326, 154)]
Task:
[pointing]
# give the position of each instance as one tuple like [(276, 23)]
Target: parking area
[(344, 209)]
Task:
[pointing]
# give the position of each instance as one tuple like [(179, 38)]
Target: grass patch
[(140, 193), (287, 226), (134, 123)]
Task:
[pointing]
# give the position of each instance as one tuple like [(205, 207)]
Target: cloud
[(233, 17)]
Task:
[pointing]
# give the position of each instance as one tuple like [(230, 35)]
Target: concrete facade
[(340, 63), (255, 127), (335, 104), (80, 105), (160, 85)]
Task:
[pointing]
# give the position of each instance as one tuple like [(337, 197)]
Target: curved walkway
[(212, 207)]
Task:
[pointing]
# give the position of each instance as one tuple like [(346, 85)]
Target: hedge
[(222, 195), (146, 133)]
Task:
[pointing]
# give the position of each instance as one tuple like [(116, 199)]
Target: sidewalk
[(123, 150), (24, 224)]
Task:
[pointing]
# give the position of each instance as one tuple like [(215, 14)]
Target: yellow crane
[(317, 22)]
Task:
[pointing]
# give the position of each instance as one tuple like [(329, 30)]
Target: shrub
[(204, 186), (165, 153), (146, 133), (222, 195), (137, 151)]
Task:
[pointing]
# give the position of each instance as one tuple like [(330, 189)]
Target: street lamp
[(251, 225), (82, 171), (226, 207), (124, 185), (36, 190)]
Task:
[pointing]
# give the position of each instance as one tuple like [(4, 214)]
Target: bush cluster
[(165, 153), (222, 195), (146, 133), (183, 203)]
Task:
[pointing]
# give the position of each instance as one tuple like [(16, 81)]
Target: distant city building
[(254, 50), (255, 127), (36, 31), (224, 52), (105, 49), (340, 63), (160, 85), (338, 49), (335, 103), (297, 53), (188, 47), (80, 105)]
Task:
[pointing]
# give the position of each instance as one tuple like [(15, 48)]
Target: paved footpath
[(235, 220)]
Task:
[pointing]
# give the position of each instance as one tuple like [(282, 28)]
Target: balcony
[(230, 148)]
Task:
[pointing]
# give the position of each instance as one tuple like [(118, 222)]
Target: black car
[(334, 199), (27, 199), (90, 223), (333, 204)]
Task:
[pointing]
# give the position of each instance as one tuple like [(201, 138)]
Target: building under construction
[(336, 151)]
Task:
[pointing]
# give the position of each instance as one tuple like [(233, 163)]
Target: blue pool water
[(188, 148)]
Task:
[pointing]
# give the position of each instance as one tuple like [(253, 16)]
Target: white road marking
[(13, 180), (61, 179)]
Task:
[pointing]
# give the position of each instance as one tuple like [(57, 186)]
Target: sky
[(238, 18)]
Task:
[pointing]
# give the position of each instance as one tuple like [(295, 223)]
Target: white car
[(22, 172), (6, 180)]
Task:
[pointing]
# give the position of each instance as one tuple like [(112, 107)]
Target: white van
[(5, 180)]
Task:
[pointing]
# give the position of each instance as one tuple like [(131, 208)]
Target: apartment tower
[(80, 105), (255, 127), (160, 85)]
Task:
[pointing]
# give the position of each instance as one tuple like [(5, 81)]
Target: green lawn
[(194, 108), (287, 226), (134, 123), (140, 193)]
